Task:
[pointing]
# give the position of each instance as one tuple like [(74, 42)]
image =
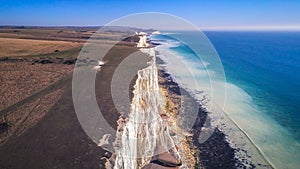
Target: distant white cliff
[(155, 33), (143, 40)]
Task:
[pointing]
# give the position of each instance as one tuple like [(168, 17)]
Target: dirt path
[(57, 85)]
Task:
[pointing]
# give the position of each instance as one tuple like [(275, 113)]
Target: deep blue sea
[(262, 71), (267, 66)]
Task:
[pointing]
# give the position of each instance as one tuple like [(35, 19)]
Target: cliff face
[(145, 134), (142, 41)]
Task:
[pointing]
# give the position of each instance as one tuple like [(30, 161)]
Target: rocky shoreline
[(214, 152)]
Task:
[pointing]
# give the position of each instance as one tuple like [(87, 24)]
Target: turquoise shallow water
[(263, 86)]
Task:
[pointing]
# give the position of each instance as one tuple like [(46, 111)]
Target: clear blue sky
[(203, 13)]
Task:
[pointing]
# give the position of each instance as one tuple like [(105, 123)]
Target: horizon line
[(254, 28), (216, 28)]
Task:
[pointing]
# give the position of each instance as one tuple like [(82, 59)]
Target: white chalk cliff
[(144, 133), (143, 40)]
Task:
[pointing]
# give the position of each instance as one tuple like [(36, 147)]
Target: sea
[(253, 76)]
